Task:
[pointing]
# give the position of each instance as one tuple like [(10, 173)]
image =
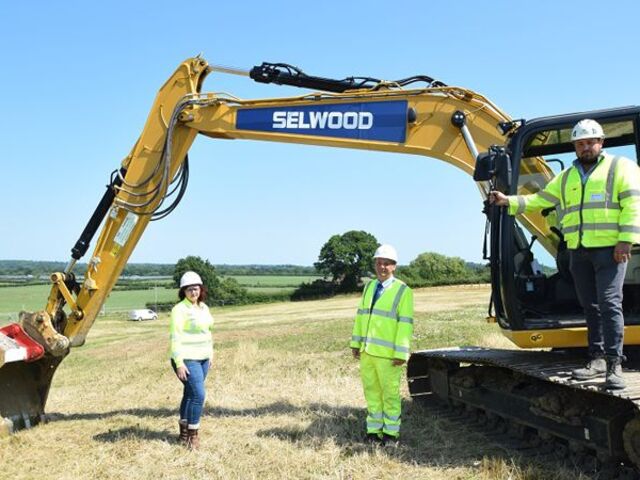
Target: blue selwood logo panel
[(381, 121)]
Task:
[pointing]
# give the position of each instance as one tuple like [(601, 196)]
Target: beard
[(588, 157)]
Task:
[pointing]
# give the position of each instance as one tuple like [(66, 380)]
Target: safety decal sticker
[(123, 233)]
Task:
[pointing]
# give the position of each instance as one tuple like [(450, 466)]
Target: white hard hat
[(190, 278), (386, 251), (586, 128)]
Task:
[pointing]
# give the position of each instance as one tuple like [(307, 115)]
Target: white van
[(142, 314)]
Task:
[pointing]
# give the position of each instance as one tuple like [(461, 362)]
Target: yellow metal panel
[(563, 337)]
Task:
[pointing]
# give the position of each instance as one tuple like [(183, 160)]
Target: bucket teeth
[(24, 388)]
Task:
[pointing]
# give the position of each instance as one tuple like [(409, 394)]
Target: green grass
[(273, 281), (451, 328), (34, 297), (31, 297), (128, 299), (270, 290)]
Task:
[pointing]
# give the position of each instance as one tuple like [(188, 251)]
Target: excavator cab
[(532, 290)]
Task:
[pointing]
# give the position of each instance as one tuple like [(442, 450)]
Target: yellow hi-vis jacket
[(384, 329), (600, 213), (190, 332)]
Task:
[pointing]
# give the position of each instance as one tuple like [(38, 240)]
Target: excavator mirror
[(485, 167), (494, 166)]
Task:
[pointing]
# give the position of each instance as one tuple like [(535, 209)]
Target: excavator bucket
[(24, 388), (30, 352)]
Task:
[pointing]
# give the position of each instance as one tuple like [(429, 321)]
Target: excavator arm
[(448, 123), (384, 118)]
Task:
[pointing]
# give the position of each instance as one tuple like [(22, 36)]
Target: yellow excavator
[(535, 308)]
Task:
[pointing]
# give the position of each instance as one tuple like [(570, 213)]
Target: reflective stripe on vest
[(382, 313), (600, 206), (628, 193), (382, 343), (393, 314)]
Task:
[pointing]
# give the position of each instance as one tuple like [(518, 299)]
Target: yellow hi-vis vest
[(600, 213), (190, 332), (384, 329)]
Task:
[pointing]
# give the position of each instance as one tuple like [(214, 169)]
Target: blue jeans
[(194, 393), (598, 280)]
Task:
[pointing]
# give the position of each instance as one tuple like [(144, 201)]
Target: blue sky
[(79, 78)]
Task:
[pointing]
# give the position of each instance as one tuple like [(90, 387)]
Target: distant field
[(272, 284), (273, 281), (34, 297)]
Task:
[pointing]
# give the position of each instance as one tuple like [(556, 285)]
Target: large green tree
[(347, 257), (226, 291), (431, 268)]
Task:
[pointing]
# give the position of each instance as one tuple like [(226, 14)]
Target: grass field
[(273, 281), (34, 297), (273, 284), (284, 402)]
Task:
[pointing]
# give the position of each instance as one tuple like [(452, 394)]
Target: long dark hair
[(201, 298)]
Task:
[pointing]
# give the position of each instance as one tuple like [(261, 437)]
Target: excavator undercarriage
[(533, 391)]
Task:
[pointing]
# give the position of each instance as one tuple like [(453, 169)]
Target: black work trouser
[(598, 280)]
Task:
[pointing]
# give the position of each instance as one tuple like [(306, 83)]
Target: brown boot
[(193, 442), (184, 436)]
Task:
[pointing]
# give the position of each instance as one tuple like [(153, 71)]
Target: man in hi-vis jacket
[(381, 340), (598, 198)]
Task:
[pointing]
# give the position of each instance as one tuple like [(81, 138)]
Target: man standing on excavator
[(381, 340), (599, 203)]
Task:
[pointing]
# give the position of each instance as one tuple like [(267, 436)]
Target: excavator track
[(515, 445), (533, 393)]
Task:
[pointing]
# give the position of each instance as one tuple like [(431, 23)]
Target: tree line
[(346, 261), (36, 269)]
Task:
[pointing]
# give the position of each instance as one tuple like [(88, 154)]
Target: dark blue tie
[(377, 293)]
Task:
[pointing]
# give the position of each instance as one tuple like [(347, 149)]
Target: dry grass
[(284, 401)]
